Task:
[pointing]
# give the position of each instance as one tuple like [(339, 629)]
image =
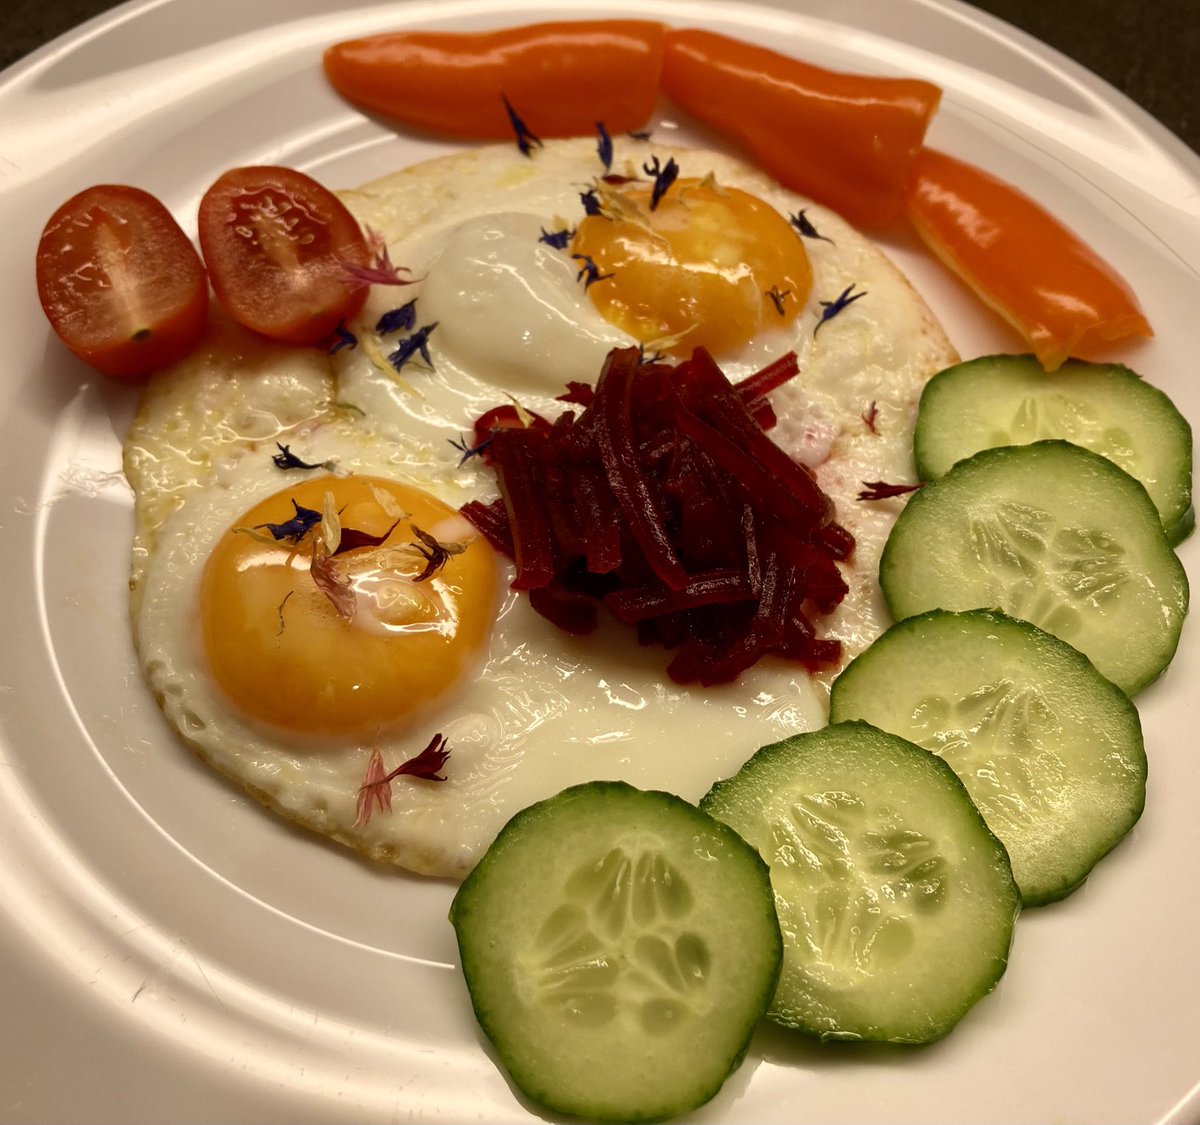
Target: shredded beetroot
[(664, 501), (755, 389)]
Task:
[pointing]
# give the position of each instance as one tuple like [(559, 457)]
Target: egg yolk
[(395, 644), (707, 267)]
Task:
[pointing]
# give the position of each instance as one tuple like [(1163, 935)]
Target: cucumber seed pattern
[(1045, 573), (620, 942), (1000, 739), (1058, 416), (851, 878)]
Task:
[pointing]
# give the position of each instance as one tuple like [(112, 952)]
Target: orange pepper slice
[(1021, 261), (848, 141), (560, 77)]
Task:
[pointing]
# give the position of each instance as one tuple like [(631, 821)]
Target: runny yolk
[(286, 655), (708, 267)]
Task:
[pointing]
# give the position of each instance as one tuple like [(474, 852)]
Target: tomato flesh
[(120, 282), (277, 244)]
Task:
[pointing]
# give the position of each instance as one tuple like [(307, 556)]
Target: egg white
[(513, 322)]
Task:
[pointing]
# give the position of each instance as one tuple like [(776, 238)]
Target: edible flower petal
[(830, 309), (559, 239), (352, 538), (403, 318), (589, 273), (297, 527), (345, 339), (591, 203), (526, 140), (331, 525), (664, 177), (778, 297), (435, 554), (469, 451), (604, 146), (381, 271), (286, 459), (330, 582), (412, 346), (375, 792), (881, 490), (803, 224)]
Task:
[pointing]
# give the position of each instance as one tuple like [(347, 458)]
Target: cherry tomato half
[(120, 282), (277, 244)]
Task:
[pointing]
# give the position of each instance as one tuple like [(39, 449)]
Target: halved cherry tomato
[(560, 77), (277, 244), (848, 141), (1020, 260), (120, 282)]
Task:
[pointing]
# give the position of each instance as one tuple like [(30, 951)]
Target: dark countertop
[(1149, 49)]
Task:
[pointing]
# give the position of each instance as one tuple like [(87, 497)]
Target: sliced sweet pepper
[(848, 141), (1020, 260), (560, 78)]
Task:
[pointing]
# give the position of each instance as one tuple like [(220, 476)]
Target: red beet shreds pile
[(665, 501)]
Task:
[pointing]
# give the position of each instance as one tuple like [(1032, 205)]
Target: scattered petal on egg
[(830, 309)]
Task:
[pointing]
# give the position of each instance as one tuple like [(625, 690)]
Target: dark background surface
[(1148, 49)]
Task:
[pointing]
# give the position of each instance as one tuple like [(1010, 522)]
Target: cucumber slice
[(1051, 533), (897, 903), (1050, 751), (1107, 408), (619, 947)]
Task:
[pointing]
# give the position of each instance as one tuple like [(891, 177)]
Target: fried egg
[(306, 667)]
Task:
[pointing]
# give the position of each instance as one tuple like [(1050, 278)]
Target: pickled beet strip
[(506, 417), (768, 379), (802, 644), (521, 491), (712, 398), (824, 585), (836, 540), (750, 473), (491, 521), (562, 514), (707, 508), (716, 587), (598, 516), (618, 455), (753, 551), (724, 660), (774, 598), (581, 394), (573, 612)]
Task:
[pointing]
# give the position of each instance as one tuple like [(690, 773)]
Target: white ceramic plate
[(170, 953)]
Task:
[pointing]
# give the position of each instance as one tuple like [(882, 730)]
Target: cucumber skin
[(892, 575), (462, 917), (1119, 710), (726, 793), (1177, 514)]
